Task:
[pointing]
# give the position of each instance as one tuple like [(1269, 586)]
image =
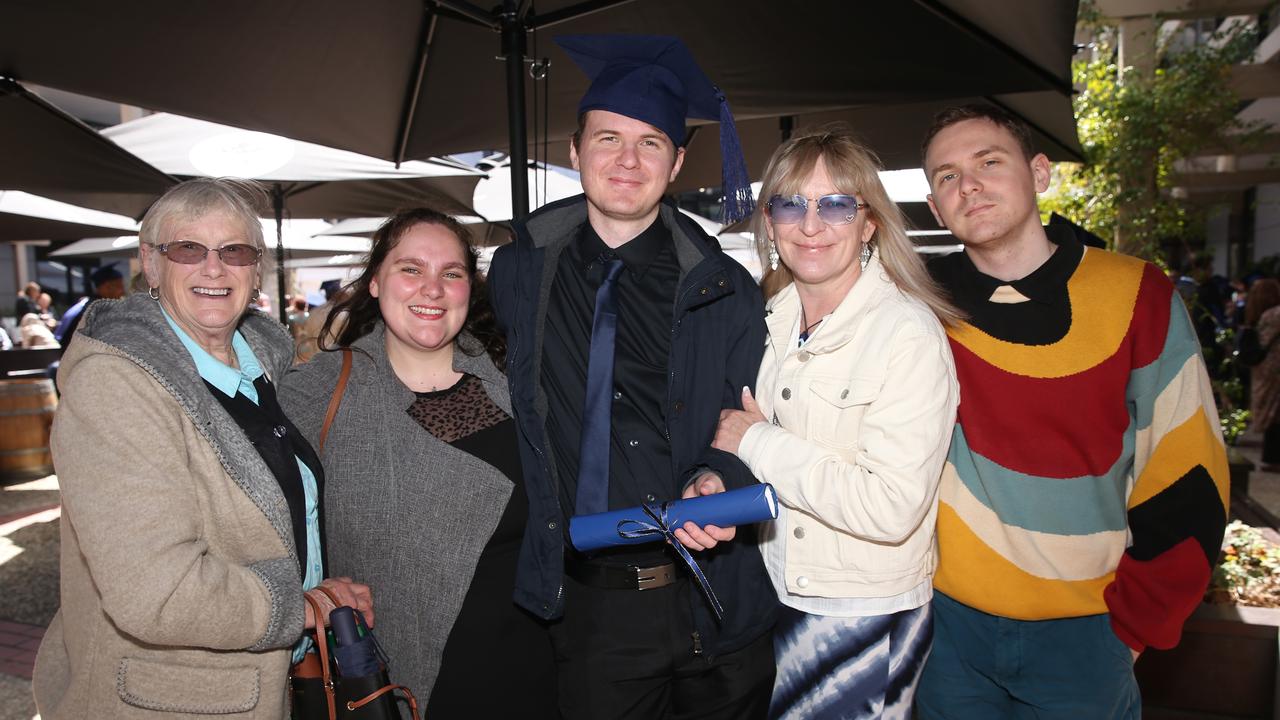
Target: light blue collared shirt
[(229, 381)]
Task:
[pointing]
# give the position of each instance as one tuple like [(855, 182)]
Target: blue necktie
[(593, 466)]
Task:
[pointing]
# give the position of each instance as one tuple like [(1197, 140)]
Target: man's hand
[(707, 537), (734, 423)]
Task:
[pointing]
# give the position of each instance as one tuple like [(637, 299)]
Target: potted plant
[(1226, 664)]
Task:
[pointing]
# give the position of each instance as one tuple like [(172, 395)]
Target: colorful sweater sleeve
[(1177, 506)]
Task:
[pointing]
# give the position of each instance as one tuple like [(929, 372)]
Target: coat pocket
[(836, 410), (168, 687)]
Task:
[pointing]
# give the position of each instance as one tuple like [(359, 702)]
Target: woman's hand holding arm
[(734, 423)]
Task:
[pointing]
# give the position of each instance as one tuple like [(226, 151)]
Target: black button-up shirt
[(640, 467)]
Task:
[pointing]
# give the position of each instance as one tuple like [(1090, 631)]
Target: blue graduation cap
[(654, 78)]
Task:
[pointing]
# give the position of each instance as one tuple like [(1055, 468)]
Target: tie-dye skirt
[(837, 668)]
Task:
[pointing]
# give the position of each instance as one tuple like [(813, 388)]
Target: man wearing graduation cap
[(628, 331)]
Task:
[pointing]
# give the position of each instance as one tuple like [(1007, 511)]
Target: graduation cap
[(654, 78)]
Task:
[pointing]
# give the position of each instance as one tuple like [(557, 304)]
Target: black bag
[(1249, 349), (319, 690)]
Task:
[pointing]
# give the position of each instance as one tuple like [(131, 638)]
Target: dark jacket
[(717, 340)]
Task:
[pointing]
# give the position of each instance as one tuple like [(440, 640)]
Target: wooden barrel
[(26, 416)]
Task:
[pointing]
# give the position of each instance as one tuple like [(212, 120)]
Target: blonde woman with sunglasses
[(190, 503), (855, 402)]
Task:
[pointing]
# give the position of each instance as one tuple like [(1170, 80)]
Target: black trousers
[(633, 654)]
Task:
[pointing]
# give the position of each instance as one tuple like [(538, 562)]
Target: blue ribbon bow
[(658, 514)]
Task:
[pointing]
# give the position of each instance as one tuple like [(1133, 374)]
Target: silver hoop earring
[(773, 255), (865, 256), (154, 293)]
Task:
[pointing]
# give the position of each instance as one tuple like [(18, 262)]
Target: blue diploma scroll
[(633, 526), (658, 521)]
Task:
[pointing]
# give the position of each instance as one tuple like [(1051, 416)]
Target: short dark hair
[(947, 117)]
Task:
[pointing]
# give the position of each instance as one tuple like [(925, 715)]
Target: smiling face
[(423, 290), (206, 299), (821, 256), (983, 187), (626, 165)]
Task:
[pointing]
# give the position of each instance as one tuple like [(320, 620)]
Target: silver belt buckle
[(648, 578)]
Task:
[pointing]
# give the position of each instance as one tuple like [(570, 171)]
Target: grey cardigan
[(405, 513)]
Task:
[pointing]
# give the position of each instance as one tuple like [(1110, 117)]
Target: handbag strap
[(336, 400), (322, 647)]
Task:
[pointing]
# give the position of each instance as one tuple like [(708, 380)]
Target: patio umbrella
[(29, 217), (308, 180), (46, 151), (404, 79)]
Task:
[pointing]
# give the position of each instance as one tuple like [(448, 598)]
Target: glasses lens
[(837, 209), (187, 253), (239, 254), (787, 210)]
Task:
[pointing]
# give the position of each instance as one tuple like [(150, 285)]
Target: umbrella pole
[(277, 199), (513, 38)]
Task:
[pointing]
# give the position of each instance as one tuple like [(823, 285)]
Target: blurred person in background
[(26, 302), (1262, 313)]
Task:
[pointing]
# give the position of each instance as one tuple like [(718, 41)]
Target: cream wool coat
[(864, 413), (181, 593)]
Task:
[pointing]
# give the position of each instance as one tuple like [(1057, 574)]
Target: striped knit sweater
[(1087, 472)]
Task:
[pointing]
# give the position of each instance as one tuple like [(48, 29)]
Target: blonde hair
[(853, 169)]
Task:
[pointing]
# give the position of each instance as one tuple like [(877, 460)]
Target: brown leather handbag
[(319, 691)]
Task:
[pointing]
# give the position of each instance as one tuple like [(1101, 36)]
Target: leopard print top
[(458, 411)]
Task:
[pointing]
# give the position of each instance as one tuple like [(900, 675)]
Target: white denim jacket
[(862, 418)]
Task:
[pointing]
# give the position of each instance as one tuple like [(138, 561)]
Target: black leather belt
[(620, 577)]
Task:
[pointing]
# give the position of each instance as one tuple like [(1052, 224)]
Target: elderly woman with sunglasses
[(856, 399), (190, 503)]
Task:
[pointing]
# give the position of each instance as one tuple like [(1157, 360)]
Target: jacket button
[(704, 291), (799, 533), (551, 525), (721, 283), (650, 498), (802, 581), (633, 443), (804, 356), (844, 393), (786, 393), (679, 406), (617, 394)]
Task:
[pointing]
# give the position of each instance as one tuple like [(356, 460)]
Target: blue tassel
[(739, 202)]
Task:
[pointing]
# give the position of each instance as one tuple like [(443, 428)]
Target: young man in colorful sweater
[(1085, 493)]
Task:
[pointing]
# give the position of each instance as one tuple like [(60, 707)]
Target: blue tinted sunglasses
[(832, 209)]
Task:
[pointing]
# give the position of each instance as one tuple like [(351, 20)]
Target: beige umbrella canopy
[(47, 152), (406, 79)]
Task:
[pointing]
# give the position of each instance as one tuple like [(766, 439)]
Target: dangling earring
[(154, 293), (773, 255), (865, 256)]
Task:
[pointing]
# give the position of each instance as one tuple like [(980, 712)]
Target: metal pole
[(513, 42), (277, 199)]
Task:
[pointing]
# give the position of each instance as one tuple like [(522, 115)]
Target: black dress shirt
[(640, 468)]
